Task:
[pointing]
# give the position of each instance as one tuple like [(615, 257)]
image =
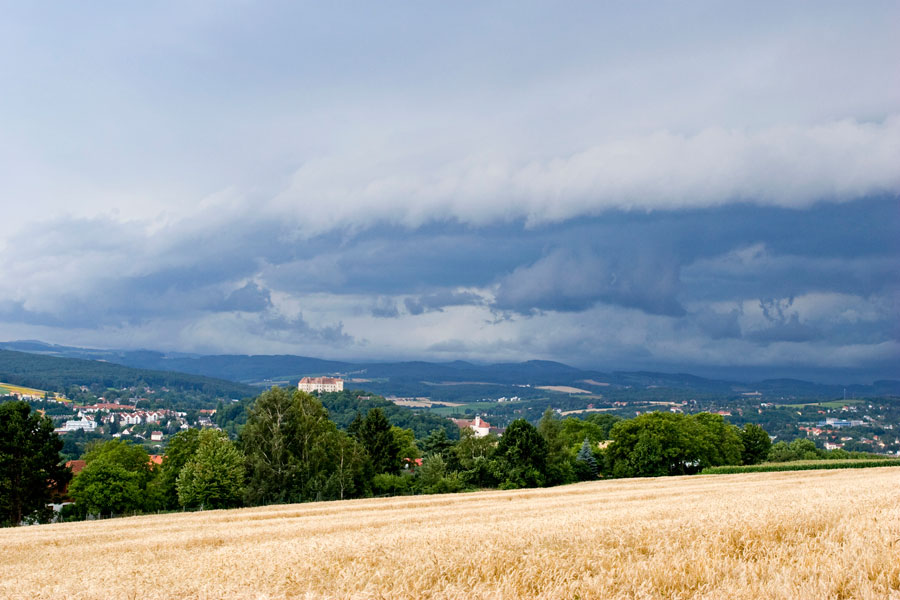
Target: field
[(8, 388), (564, 389), (805, 465), (806, 535)]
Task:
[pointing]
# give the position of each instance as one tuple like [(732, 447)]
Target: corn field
[(811, 534)]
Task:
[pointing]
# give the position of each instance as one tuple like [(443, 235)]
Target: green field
[(804, 465), (829, 404)]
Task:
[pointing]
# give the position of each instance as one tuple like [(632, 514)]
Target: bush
[(385, 484)]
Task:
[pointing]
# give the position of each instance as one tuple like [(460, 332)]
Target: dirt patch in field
[(565, 389)]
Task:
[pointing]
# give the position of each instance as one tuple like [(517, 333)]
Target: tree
[(378, 439), (756, 442), (266, 440), (654, 444), (214, 477), (114, 479), (722, 443), (585, 463), (30, 469), (291, 455), (521, 456), (180, 449), (559, 462), (406, 441), (437, 442), (473, 456)]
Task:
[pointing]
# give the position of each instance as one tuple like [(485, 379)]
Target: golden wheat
[(815, 535)]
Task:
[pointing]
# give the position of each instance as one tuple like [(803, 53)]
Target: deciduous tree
[(214, 476), (30, 469)]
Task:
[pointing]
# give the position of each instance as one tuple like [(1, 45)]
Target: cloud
[(567, 281), (437, 301), (250, 298), (787, 166)]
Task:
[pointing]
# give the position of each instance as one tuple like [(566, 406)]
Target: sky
[(699, 187)]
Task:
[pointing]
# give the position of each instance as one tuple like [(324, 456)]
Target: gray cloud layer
[(707, 185)]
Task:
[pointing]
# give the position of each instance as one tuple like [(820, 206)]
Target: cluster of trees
[(290, 450)]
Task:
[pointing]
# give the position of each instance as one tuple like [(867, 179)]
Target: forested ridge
[(56, 374)]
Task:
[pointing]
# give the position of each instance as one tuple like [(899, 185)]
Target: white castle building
[(321, 384)]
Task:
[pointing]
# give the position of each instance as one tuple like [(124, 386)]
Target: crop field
[(8, 388), (807, 535)]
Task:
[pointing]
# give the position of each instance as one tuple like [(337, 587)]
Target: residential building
[(321, 384)]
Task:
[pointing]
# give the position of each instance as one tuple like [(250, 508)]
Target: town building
[(478, 425), (321, 384)]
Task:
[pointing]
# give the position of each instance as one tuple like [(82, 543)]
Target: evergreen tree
[(585, 463), (380, 442)]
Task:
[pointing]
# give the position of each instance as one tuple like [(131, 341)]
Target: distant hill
[(451, 380), (55, 373)]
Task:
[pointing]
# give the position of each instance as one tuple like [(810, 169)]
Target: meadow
[(811, 534)]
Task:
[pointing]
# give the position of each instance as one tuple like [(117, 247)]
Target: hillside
[(468, 381), (810, 535), (57, 374)]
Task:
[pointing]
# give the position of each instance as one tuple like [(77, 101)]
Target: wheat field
[(814, 534)]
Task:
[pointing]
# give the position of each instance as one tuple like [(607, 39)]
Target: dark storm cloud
[(567, 281), (250, 298), (439, 300)]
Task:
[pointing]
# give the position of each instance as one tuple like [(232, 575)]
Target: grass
[(805, 465), (806, 535), (828, 404)]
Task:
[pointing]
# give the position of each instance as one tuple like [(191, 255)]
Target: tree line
[(290, 450)]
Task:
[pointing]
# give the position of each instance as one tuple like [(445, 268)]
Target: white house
[(321, 384), (84, 423)]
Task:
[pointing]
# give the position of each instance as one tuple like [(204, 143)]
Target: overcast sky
[(703, 187)]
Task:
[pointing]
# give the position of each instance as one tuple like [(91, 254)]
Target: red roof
[(76, 466), (156, 459)]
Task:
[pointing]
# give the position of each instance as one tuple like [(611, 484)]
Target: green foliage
[(799, 449), (388, 484), (521, 456), (656, 444), (437, 442), (585, 462), (756, 443), (344, 406), (30, 470), (380, 442), (294, 453), (604, 423), (406, 441), (214, 476), (114, 480), (433, 477), (806, 465), (721, 440), (59, 374), (472, 457), (559, 468), (180, 449)]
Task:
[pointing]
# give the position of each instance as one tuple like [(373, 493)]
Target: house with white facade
[(321, 384)]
